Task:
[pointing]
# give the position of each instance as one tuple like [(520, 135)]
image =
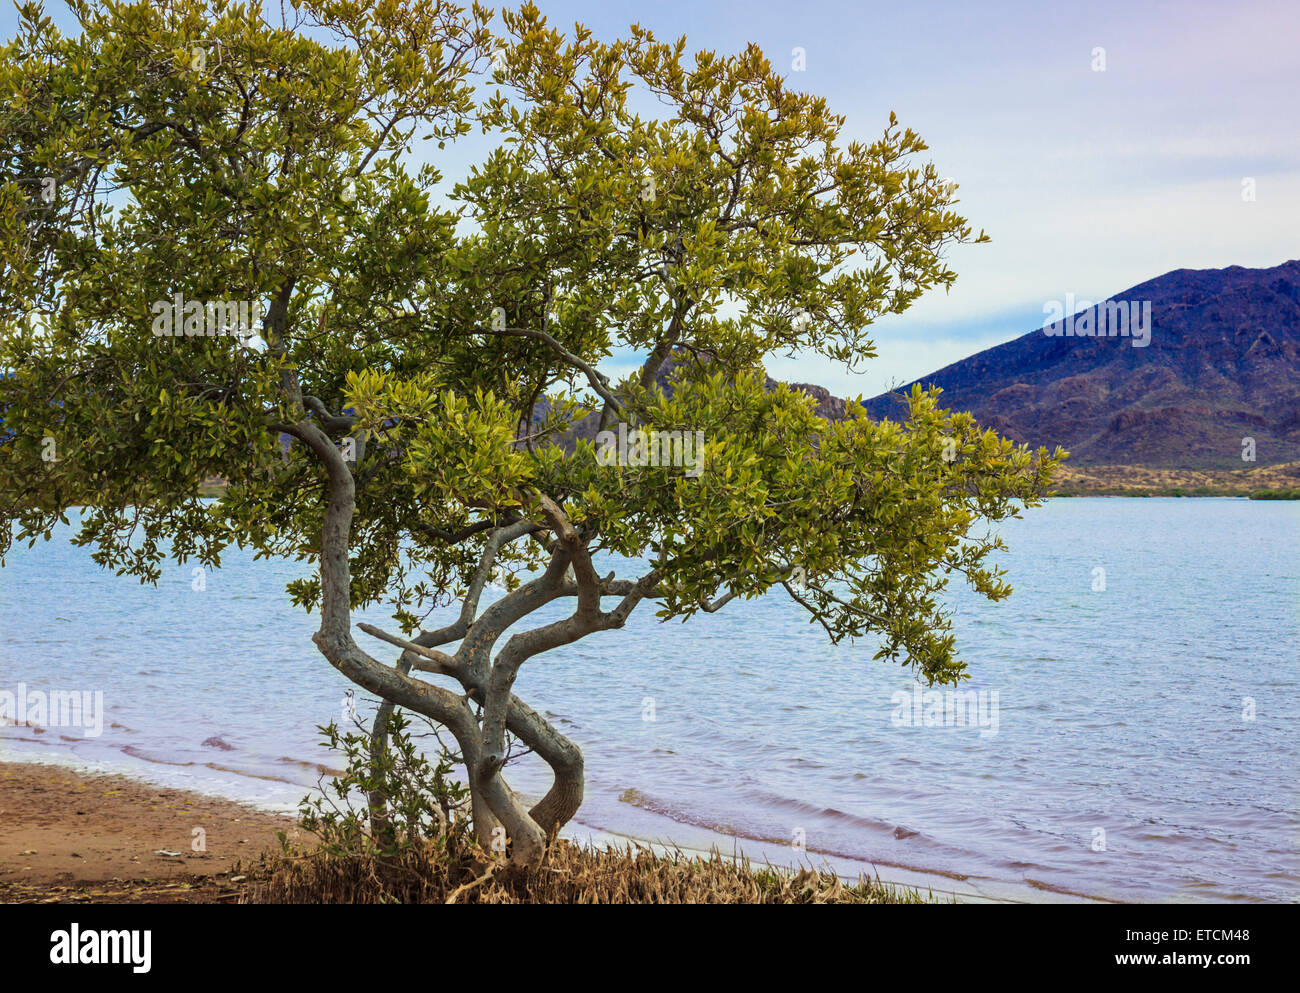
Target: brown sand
[(61, 830)]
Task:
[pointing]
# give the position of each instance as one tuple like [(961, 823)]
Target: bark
[(377, 800), (483, 679), (334, 638)]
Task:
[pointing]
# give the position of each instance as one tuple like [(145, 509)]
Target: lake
[(1129, 731)]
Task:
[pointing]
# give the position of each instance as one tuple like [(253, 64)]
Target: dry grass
[(569, 875)]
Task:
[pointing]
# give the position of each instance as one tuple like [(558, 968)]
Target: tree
[(437, 370)]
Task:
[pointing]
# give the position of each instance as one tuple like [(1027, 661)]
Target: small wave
[(249, 775), (34, 741), (638, 799), (286, 760), (1039, 884), (324, 770), (136, 753), (829, 813)]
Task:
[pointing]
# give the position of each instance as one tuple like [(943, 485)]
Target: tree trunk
[(526, 839), (563, 799), (378, 743), (377, 799)]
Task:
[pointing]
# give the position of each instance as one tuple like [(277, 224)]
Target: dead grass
[(569, 875)]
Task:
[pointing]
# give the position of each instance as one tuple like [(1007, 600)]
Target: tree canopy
[(416, 416)]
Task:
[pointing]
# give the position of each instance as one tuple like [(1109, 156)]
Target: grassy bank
[(570, 874)]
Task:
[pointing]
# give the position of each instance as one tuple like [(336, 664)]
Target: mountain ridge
[(1222, 365)]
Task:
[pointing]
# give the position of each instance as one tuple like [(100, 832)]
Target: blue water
[(1124, 765)]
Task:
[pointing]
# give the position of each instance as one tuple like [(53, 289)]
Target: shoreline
[(125, 829)]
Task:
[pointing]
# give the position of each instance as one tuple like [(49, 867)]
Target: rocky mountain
[(1175, 374), (1220, 364)]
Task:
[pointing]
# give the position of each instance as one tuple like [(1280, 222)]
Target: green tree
[(435, 354)]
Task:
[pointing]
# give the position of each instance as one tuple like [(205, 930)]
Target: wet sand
[(60, 828)]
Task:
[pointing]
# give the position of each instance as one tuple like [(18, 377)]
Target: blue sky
[(1087, 181)]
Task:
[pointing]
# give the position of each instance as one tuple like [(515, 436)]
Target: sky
[(1089, 180)]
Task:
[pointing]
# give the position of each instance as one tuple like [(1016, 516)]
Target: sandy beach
[(77, 836), (65, 834)]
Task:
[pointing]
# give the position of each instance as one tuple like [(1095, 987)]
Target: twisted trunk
[(481, 739), (562, 801)]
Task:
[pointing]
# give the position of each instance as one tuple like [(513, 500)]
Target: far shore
[(1277, 481)]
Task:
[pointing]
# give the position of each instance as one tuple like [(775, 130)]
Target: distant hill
[(828, 406), (1222, 364)]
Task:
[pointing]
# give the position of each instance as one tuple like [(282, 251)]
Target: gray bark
[(489, 682)]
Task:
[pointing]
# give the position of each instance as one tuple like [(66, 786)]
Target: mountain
[(1222, 364), (827, 406)]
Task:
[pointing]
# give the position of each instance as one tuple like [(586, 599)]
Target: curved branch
[(597, 381), (332, 423)]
